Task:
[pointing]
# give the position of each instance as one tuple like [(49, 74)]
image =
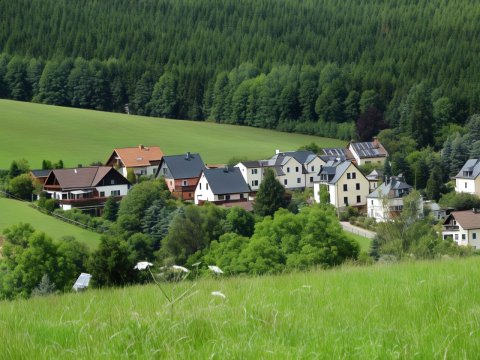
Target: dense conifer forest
[(309, 66)]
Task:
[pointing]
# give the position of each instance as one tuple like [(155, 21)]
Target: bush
[(50, 205)]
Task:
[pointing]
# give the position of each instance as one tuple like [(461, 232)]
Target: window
[(143, 172), (288, 169), (200, 186), (299, 180), (242, 196), (164, 171), (465, 185), (296, 168), (345, 200), (64, 196), (221, 197), (115, 193), (456, 236), (359, 199), (207, 186), (463, 237), (190, 195), (357, 186), (311, 178), (255, 183), (254, 171), (227, 197), (371, 202), (345, 187), (153, 170), (285, 182), (348, 176), (112, 182), (474, 236), (184, 182), (102, 193), (313, 168), (354, 175)]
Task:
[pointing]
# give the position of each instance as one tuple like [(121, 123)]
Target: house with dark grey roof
[(85, 188), (386, 201), (294, 169), (375, 178), (371, 152), (221, 185), (468, 180), (181, 173), (346, 184), (40, 176), (463, 227)]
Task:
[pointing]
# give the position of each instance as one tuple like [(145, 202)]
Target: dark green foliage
[(110, 210), (22, 187), (28, 256), (460, 201), (111, 264), (434, 184), (157, 220), (270, 196), (240, 221), (191, 230)]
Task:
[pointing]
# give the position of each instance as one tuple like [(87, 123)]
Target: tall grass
[(418, 310)]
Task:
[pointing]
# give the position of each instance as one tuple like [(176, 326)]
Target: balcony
[(87, 202), (450, 228)]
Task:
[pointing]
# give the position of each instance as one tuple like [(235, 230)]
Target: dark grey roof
[(369, 149), (396, 187), (185, 166), (375, 175), (334, 169), (302, 156), (254, 163), (40, 173), (226, 181), (470, 170)]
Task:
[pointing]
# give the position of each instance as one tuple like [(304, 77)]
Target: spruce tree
[(270, 195), (110, 209)]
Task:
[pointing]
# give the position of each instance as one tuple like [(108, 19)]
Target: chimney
[(277, 151), (141, 147), (375, 142), (187, 155)]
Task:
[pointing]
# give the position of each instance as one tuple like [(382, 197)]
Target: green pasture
[(13, 212), (420, 310), (36, 132)]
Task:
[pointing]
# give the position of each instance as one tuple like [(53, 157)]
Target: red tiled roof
[(139, 155)]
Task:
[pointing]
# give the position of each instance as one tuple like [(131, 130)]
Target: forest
[(343, 69)]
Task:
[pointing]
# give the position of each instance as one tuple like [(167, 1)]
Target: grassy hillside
[(38, 132), (12, 212), (419, 310)]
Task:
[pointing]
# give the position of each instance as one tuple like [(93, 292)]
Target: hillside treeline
[(293, 65)]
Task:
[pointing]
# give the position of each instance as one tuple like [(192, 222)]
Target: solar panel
[(82, 282)]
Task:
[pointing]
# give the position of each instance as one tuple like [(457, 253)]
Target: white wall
[(465, 186), (317, 163), (203, 191), (293, 175), (338, 194), (250, 176), (108, 189)]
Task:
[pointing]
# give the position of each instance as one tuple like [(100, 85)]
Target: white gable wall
[(203, 192)]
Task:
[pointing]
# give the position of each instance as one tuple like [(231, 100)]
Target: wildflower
[(196, 264), (142, 265), (215, 269), (219, 294), (180, 268)]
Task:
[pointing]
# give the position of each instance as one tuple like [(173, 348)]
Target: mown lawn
[(13, 212), (36, 132), (423, 310)]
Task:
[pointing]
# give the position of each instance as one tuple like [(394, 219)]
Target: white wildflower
[(196, 264), (142, 265), (179, 268), (219, 294), (215, 269)]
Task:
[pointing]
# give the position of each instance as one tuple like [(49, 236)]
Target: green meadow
[(13, 212), (420, 310), (36, 132)]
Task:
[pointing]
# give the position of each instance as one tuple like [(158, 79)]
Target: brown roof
[(467, 219), (79, 178), (138, 156)]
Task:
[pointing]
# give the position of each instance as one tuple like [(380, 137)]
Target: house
[(85, 188), (386, 201), (371, 152), (347, 186), (222, 185), (293, 169), (39, 176), (142, 160), (467, 180), (181, 173), (437, 212), (375, 178), (338, 153), (463, 227)]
